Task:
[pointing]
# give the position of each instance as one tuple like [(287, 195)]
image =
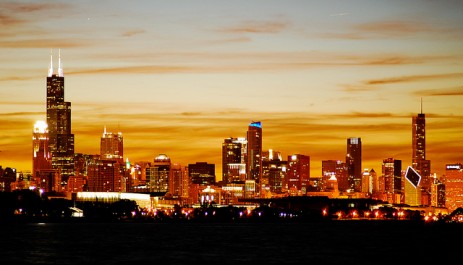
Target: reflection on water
[(337, 242)]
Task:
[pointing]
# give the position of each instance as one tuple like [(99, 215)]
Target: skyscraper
[(61, 140), (234, 160), (41, 157), (412, 187), (392, 172), (354, 163), (298, 172), (112, 146), (254, 153), (419, 162)]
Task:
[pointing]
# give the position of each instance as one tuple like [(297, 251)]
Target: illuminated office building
[(41, 156), (157, 175), (298, 172), (354, 163), (179, 181), (254, 153), (234, 160), (412, 187), (339, 170), (112, 146), (103, 176), (392, 175), (273, 173), (419, 162), (61, 140), (453, 186)]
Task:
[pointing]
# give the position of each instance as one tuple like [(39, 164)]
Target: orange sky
[(178, 78)]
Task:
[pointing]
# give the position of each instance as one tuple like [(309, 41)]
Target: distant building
[(412, 187), (354, 163), (157, 175), (112, 146), (254, 153), (337, 168), (298, 173), (392, 175), (41, 156), (453, 186), (234, 159), (419, 162), (61, 140), (202, 173)]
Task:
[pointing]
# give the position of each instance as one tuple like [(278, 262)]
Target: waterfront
[(324, 242)]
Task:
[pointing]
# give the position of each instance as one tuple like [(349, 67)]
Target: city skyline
[(178, 78)]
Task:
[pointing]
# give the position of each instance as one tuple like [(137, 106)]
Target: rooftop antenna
[(60, 68), (50, 70), (421, 106)]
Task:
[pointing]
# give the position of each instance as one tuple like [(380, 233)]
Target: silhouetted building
[(354, 163), (61, 140), (202, 173), (419, 162)]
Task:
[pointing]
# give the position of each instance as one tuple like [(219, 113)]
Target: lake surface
[(324, 242)]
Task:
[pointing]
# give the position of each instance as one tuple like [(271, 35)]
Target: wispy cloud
[(412, 78), (133, 32), (254, 26), (453, 91)]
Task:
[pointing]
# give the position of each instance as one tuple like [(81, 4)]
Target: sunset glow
[(178, 77)]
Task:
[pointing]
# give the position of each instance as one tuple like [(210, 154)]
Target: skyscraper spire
[(421, 106), (50, 70), (60, 68)]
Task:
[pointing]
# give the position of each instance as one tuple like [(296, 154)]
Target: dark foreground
[(324, 242)]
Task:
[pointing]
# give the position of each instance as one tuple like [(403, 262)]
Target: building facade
[(354, 163), (61, 140), (254, 154)]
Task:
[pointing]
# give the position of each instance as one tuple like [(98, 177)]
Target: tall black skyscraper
[(354, 163), (419, 162), (254, 153), (61, 140)]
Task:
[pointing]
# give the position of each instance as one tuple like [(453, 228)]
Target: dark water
[(335, 242)]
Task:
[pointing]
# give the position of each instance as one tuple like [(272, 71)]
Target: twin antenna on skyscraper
[(60, 68)]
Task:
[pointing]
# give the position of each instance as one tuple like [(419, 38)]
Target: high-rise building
[(274, 177), (61, 140), (157, 175), (392, 174), (354, 163), (201, 173), (298, 172), (453, 186), (254, 153), (419, 162), (412, 187), (112, 146), (339, 170), (234, 160), (103, 176), (41, 156)]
